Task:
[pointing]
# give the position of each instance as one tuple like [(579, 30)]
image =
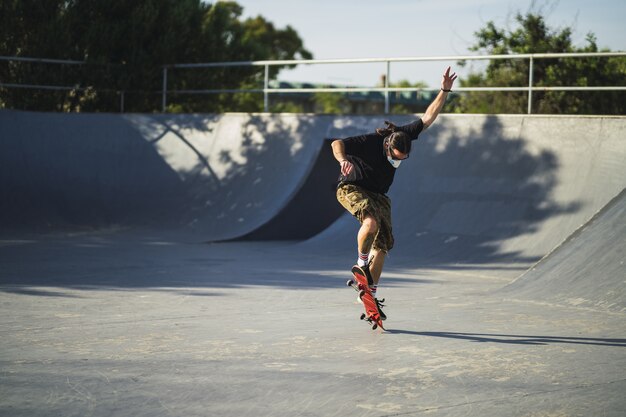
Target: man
[(368, 165)]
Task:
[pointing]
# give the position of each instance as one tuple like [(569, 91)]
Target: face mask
[(394, 162)]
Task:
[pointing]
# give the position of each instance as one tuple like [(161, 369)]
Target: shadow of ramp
[(587, 270)]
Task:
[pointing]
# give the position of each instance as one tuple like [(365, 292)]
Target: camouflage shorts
[(360, 202)]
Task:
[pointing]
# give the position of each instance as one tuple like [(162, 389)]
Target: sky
[(408, 28)]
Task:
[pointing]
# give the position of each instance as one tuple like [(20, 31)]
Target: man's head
[(398, 145)]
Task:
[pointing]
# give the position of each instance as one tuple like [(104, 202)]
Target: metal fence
[(76, 87), (267, 91), (386, 90)]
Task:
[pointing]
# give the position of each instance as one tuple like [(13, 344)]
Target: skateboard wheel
[(363, 316), (374, 326), (350, 283), (361, 294)]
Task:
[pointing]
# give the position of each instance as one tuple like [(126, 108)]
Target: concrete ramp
[(587, 270), (497, 192), (220, 176)]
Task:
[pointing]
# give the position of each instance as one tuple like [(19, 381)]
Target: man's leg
[(376, 269), (365, 238), (378, 261)]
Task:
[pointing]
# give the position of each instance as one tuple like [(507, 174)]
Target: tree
[(331, 103), (532, 35), (32, 28), (125, 45), (396, 97)]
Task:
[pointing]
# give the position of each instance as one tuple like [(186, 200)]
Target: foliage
[(125, 45), (397, 108), (532, 35), (331, 103)]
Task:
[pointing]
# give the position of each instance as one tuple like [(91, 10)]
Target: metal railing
[(40, 61), (266, 90), (76, 87)]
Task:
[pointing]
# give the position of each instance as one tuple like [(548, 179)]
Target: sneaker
[(366, 270), (380, 305)]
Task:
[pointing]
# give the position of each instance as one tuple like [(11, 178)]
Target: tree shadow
[(240, 174), (471, 184), (477, 187)]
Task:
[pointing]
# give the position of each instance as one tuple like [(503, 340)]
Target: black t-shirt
[(371, 170)]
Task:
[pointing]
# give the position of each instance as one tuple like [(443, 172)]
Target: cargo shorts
[(359, 202)]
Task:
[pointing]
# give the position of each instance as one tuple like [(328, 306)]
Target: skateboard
[(359, 283)]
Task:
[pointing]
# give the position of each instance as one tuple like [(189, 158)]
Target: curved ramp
[(221, 176), (312, 209), (588, 269), (497, 192)]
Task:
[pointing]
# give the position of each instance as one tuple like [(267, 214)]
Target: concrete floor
[(152, 324)]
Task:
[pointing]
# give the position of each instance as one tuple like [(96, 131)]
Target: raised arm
[(435, 107)]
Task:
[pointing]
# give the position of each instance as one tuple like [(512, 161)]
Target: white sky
[(403, 28)]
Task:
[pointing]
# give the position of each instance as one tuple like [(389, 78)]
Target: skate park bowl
[(190, 264), (219, 176)]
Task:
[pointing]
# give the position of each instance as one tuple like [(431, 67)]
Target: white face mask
[(394, 162)]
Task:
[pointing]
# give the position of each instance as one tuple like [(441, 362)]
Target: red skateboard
[(359, 283)]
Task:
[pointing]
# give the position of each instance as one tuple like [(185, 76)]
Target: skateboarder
[(368, 165)]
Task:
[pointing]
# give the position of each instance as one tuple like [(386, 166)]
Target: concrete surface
[(221, 176), (136, 314), (121, 325), (588, 269), (498, 191)]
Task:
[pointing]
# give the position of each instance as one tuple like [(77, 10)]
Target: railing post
[(121, 101), (164, 92), (266, 83), (530, 85), (387, 87)]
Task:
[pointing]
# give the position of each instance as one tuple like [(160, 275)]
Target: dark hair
[(400, 141)]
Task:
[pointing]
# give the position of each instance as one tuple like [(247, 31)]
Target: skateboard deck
[(359, 283)]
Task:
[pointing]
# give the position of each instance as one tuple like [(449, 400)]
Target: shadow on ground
[(515, 339)]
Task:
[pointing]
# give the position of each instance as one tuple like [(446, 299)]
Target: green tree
[(33, 28), (532, 35), (396, 97), (226, 38), (331, 103), (126, 44)]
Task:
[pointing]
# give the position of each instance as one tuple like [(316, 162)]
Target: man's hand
[(346, 167), (339, 151), (448, 80), (435, 107)]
